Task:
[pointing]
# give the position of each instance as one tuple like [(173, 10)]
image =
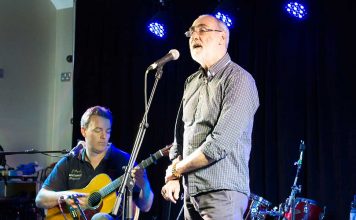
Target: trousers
[(215, 205)]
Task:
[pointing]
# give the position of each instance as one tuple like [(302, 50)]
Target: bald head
[(209, 39), (222, 27)]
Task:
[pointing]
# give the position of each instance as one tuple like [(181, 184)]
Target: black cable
[(180, 212), (2, 158)]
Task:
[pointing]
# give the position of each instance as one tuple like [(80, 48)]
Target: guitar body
[(95, 185)]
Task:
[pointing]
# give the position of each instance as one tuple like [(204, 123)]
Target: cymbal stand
[(290, 204)]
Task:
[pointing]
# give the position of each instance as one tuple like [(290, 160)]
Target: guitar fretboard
[(116, 183)]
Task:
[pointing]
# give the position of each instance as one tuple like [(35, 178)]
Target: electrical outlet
[(65, 76)]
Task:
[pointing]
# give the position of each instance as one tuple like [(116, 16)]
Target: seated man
[(70, 177)]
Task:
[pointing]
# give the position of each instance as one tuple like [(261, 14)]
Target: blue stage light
[(157, 29), (296, 10), (224, 18)]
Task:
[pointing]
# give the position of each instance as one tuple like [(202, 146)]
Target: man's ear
[(222, 38), (83, 131)]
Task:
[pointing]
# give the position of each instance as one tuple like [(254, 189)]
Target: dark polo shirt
[(73, 172)]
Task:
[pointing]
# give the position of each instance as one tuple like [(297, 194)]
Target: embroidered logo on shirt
[(75, 174)]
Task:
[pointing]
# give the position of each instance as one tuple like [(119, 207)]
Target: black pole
[(137, 145), (33, 151), (295, 189)]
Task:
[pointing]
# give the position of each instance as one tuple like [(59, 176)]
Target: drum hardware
[(301, 208), (294, 208), (289, 207), (274, 212), (306, 209), (256, 208)]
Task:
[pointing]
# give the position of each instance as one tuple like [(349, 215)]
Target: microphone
[(76, 150), (72, 196), (75, 195), (171, 55)]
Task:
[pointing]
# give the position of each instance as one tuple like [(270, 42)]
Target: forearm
[(47, 199), (194, 161), (145, 198)]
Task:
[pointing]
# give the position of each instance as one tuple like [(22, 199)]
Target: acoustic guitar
[(102, 192)]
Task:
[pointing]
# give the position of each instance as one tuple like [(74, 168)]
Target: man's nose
[(194, 34), (193, 39)]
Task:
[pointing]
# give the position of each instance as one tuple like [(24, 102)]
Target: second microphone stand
[(125, 187)]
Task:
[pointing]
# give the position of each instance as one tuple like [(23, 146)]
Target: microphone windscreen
[(175, 53)]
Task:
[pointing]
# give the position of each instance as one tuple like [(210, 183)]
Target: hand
[(172, 173), (169, 171), (81, 197), (139, 176), (169, 175), (170, 191)]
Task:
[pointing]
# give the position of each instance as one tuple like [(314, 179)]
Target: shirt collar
[(217, 67), (82, 153)]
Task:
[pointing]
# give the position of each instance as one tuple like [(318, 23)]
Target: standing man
[(89, 159), (213, 131)]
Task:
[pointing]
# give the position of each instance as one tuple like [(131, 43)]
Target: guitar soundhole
[(94, 200)]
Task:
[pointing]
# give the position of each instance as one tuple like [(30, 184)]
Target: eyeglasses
[(199, 30)]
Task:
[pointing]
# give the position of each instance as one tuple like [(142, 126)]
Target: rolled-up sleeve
[(219, 105)]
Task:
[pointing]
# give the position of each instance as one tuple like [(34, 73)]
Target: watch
[(175, 173)]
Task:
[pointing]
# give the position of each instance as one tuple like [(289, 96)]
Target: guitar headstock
[(165, 150)]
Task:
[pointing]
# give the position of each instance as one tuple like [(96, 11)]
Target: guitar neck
[(152, 159), (116, 183)]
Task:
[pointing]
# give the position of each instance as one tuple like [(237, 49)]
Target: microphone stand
[(128, 201), (295, 189), (76, 201), (137, 145), (33, 151)]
